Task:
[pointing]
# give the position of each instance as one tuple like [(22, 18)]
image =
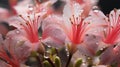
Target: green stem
[(69, 59), (49, 60)]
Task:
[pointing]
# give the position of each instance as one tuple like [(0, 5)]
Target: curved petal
[(90, 45), (107, 56), (3, 64)]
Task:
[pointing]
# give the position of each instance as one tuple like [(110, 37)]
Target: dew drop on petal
[(88, 58), (67, 55), (104, 29), (17, 31), (95, 9), (30, 7), (97, 43), (66, 49), (95, 31), (46, 57), (49, 46), (84, 65)]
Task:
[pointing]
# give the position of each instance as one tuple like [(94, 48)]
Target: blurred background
[(7, 6)]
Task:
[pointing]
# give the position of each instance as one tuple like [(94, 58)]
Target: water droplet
[(46, 57), (104, 29), (97, 43), (17, 31), (49, 46), (30, 6), (44, 10), (101, 49), (95, 31), (88, 58), (95, 9), (67, 55)]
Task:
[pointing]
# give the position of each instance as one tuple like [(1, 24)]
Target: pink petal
[(107, 56), (90, 45), (53, 36), (3, 64)]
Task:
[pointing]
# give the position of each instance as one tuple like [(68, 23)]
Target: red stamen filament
[(31, 28), (113, 32), (78, 29)]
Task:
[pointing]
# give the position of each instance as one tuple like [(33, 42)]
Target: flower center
[(31, 28)]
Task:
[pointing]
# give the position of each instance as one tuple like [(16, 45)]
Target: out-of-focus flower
[(12, 52), (4, 14), (9, 6), (86, 5), (23, 7), (49, 7), (12, 4)]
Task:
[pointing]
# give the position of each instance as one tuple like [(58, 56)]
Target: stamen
[(71, 20), (22, 18)]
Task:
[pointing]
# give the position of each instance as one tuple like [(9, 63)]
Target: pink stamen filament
[(31, 28), (78, 28), (12, 61), (114, 32)]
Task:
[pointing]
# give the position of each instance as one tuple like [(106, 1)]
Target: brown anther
[(107, 15), (28, 16), (21, 24), (94, 36), (71, 20), (20, 15), (76, 18), (112, 27), (111, 15), (87, 35), (115, 10), (88, 22), (26, 23)]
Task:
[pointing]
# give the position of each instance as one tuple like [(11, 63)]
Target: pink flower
[(13, 52), (86, 5), (112, 31), (48, 7), (71, 24), (27, 29), (74, 25), (109, 33), (52, 34)]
